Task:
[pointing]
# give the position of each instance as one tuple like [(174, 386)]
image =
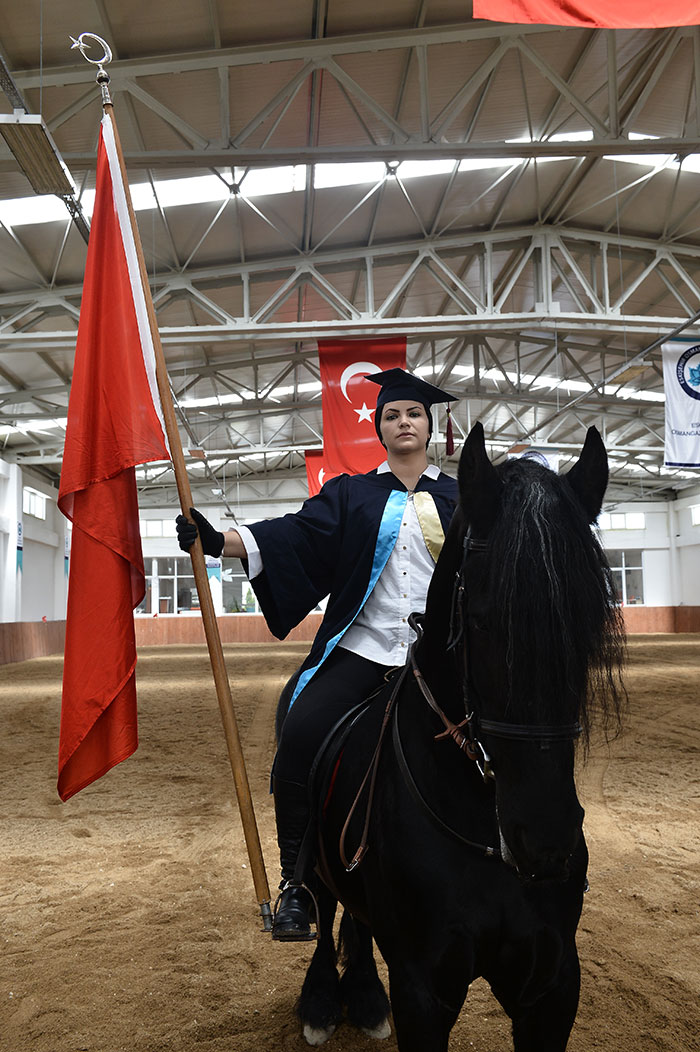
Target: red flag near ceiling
[(350, 442), (114, 423), (604, 14), (316, 470)]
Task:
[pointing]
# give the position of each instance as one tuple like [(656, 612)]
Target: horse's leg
[(361, 989), (319, 1007), (545, 1026), (425, 1004)]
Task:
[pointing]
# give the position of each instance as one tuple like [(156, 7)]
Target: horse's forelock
[(553, 597)]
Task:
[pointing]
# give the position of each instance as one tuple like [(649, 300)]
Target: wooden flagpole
[(211, 628)]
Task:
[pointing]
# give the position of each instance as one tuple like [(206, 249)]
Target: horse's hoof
[(315, 1036), (379, 1033)]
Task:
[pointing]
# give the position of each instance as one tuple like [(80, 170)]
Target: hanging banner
[(602, 14), (350, 442), (317, 471), (682, 389)]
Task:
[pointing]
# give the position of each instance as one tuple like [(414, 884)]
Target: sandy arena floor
[(128, 918)]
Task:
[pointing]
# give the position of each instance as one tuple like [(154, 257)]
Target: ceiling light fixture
[(35, 151)]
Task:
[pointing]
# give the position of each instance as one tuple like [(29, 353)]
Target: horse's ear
[(589, 476), (479, 484)]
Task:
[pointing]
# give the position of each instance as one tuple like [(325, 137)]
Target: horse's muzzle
[(540, 867)]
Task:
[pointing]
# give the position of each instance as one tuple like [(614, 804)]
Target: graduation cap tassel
[(449, 436)]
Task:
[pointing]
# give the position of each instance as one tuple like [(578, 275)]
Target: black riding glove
[(212, 540)]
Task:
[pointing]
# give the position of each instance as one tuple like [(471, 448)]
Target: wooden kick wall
[(20, 641)]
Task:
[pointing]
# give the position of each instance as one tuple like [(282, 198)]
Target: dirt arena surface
[(128, 919)]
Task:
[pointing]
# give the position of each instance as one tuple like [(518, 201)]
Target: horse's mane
[(552, 595)]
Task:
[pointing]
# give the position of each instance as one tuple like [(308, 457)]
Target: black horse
[(465, 816)]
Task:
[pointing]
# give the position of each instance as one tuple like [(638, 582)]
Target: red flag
[(604, 14), (114, 423), (317, 471), (350, 442)]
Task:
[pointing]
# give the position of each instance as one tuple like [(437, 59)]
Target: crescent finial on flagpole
[(102, 75)]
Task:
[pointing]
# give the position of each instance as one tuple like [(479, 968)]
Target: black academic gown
[(337, 545)]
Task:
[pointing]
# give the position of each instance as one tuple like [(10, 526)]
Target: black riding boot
[(291, 920)]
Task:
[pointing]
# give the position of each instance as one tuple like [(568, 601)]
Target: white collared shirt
[(381, 632)]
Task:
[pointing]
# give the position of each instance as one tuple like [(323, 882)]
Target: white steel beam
[(264, 54)]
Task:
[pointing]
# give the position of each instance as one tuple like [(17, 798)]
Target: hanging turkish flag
[(350, 442), (317, 471), (603, 14), (114, 423)]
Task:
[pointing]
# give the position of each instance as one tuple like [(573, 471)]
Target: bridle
[(467, 733)]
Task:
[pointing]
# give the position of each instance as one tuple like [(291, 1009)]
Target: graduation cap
[(398, 385)]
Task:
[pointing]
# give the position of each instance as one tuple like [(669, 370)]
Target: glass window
[(166, 595), (231, 587), (621, 520), (628, 575), (695, 515), (187, 598), (154, 528), (33, 503), (169, 528), (166, 567), (145, 606), (634, 587), (248, 596), (617, 581)]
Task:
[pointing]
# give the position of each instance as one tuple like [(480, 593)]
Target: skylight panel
[(25, 210), (415, 169), (474, 164), (350, 174)]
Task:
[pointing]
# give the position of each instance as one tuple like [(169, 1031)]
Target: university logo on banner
[(682, 390), (350, 442)]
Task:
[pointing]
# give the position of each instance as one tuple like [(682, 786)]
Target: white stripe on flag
[(119, 198)]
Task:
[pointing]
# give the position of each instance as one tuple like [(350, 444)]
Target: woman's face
[(404, 426)]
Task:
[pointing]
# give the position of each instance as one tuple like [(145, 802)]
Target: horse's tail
[(348, 942)]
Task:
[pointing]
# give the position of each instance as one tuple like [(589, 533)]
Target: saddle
[(324, 771)]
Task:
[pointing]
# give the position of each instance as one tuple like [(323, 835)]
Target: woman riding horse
[(370, 543), (473, 859)]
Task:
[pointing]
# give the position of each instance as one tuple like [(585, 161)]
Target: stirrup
[(298, 933)]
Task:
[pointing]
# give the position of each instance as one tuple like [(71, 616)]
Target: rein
[(371, 776)]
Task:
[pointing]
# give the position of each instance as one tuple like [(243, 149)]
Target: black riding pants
[(342, 682)]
